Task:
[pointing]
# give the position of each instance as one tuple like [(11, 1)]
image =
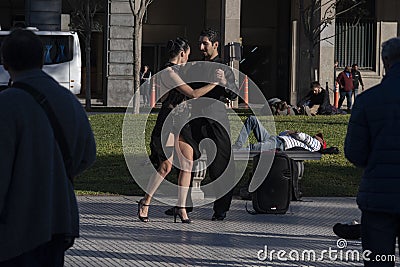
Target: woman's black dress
[(171, 124)]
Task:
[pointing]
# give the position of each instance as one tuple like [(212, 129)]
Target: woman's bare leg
[(186, 164), (154, 182)]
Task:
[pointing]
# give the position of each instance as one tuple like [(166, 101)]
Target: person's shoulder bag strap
[(55, 124)]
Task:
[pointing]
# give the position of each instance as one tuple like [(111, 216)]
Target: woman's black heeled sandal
[(140, 206), (176, 213)]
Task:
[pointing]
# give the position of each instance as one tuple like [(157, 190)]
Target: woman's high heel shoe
[(140, 206), (176, 213)]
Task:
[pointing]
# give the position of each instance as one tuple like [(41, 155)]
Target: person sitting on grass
[(285, 141), (316, 101)]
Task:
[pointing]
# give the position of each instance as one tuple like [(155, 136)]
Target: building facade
[(275, 49)]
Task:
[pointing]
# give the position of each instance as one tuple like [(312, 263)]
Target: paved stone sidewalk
[(111, 235)]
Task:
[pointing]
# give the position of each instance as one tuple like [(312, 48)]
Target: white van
[(62, 58)]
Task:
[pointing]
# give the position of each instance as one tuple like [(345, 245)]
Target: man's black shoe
[(218, 216), (170, 211), (347, 231)]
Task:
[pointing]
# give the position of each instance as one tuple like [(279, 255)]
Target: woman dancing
[(166, 133)]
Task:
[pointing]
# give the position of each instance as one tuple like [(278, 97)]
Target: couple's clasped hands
[(220, 77)]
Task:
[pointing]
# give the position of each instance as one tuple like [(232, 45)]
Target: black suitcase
[(274, 193)]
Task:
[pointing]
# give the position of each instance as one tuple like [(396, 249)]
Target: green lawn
[(332, 176)]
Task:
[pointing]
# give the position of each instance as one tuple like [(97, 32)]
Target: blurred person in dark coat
[(38, 210), (372, 144)]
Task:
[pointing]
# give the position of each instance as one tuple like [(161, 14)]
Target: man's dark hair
[(22, 50), (212, 35), (315, 84), (355, 64)]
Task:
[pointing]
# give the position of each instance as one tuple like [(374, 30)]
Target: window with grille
[(355, 36)]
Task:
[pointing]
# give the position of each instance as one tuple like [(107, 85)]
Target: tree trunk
[(88, 76), (311, 61), (311, 40), (137, 61), (88, 36)]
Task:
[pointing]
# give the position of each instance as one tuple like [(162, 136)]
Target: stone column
[(231, 21), (230, 29), (327, 52), (386, 31), (120, 53), (294, 82)]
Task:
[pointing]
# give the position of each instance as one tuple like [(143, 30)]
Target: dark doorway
[(154, 56), (256, 64)]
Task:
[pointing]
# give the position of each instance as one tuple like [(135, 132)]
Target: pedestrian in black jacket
[(357, 80)]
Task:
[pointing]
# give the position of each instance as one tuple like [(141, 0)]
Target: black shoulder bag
[(55, 124)]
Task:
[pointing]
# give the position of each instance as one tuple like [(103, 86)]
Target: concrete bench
[(199, 169)]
